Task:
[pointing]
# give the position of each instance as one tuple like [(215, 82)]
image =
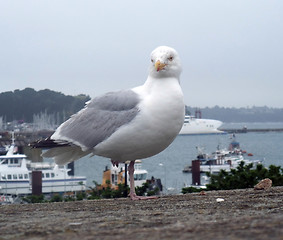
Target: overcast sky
[(231, 51)]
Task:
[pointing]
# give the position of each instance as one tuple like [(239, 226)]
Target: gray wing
[(101, 117)]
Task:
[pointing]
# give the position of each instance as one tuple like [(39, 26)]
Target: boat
[(193, 125), (115, 175), (223, 159), (16, 176)]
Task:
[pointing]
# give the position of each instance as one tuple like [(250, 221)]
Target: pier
[(247, 130)]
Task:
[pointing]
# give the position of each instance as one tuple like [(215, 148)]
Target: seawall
[(241, 214), (246, 130)]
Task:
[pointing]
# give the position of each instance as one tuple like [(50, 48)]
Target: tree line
[(23, 105), (26, 104), (248, 114)]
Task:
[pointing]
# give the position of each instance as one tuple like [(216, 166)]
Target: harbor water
[(168, 165)]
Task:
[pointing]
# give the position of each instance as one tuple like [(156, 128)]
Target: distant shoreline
[(246, 130)]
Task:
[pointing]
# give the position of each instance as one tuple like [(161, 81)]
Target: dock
[(247, 130)]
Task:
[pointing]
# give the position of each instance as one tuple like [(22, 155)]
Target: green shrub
[(190, 190), (245, 176), (34, 199)]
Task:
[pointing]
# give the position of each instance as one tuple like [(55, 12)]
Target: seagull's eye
[(152, 60), (170, 58)]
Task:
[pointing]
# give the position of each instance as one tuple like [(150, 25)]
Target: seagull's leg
[(133, 194), (131, 170)]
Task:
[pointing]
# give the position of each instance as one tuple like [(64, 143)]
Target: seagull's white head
[(165, 62)]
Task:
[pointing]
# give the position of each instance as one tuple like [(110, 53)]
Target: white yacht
[(194, 125), (16, 176)]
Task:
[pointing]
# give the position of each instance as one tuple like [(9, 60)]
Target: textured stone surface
[(244, 214)]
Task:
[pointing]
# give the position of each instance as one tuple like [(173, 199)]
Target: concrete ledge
[(244, 214)]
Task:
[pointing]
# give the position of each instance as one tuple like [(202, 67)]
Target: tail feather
[(49, 143), (64, 155), (61, 151)]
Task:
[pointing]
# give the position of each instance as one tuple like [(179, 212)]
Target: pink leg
[(133, 194)]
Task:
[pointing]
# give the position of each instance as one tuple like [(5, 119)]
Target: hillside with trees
[(32, 106), (25, 104)]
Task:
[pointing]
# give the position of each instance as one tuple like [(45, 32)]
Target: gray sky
[(231, 51)]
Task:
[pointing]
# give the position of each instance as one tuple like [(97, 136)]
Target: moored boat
[(115, 175), (193, 125), (16, 176), (222, 159)]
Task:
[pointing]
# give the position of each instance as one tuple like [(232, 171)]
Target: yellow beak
[(159, 66)]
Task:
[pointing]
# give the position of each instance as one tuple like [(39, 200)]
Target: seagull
[(126, 125)]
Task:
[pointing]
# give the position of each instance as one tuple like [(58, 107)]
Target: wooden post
[(36, 183), (196, 172)]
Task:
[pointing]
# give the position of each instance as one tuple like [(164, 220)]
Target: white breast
[(159, 121)]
